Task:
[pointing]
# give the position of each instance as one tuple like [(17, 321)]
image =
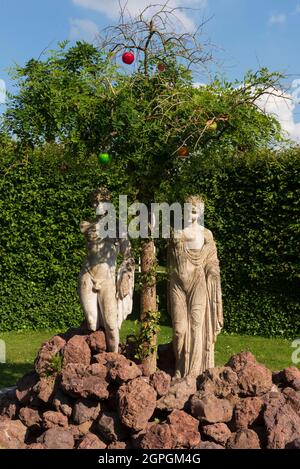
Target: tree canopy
[(81, 96)]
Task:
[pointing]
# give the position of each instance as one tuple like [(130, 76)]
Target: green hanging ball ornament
[(104, 158)]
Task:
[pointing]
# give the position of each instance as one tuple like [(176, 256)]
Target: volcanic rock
[(46, 354), (137, 401), (209, 408), (178, 394), (80, 380)]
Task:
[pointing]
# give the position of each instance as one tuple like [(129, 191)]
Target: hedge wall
[(252, 208), (41, 247)]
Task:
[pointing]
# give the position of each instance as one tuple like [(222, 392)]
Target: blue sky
[(246, 34)]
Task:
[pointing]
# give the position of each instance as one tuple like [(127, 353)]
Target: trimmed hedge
[(41, 247), (252, 208)]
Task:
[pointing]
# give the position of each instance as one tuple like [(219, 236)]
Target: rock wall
[(81, 396)]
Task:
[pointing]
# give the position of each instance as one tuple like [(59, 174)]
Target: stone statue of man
[(195, 300), (105, 292)]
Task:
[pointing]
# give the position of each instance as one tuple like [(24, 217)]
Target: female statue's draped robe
[(195, 304)]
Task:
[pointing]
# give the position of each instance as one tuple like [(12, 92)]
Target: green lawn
[(21, 348)]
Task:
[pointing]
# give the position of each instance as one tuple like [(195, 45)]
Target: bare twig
[(150, 35)]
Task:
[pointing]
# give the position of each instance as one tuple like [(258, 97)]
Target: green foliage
[(141, 343), (62, 98), (44, 197), (80, 97), (145, 343), (55, 365), (252, 207)]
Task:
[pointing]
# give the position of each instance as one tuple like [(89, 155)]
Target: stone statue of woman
[(105, 292), (195, 300)]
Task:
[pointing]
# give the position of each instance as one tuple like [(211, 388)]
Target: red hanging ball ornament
[(161, 67), (128, 57), (183, 152)]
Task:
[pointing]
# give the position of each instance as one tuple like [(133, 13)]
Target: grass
[(21, 349)]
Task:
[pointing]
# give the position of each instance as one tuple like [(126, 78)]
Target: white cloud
[(111, 8), (282, 105), (83, 29), (297, 10), (281, 18), (278, 19)]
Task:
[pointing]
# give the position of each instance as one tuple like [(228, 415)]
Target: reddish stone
[(295, 444), (63, 403), (209, 408), (120, 368), (274, 392), (137, 401), (221, 382), (101, 358), (184, 429), (260, 430), (30, 417), (243, 439), (254, 379), (110, 428), (85, 409), (57, 438), (35, 446), (78, 431), (293, 398), (77, 351), (178, 395), (239, 361), (233, 399), (291, 377), (52, 419), (12, 434), (219, 432), (209, 445), (246, 412), (158, 436), (97, 341), (43, 362), (118, 445), (91, 441), (282, 420), (25, 387), (137, 437), (45, 388), (9, 404), (85, 381), (161, 382)]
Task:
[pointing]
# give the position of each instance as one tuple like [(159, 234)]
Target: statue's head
[(100, 197), (196, 203)]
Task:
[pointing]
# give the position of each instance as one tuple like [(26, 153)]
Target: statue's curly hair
[(101, 194)]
